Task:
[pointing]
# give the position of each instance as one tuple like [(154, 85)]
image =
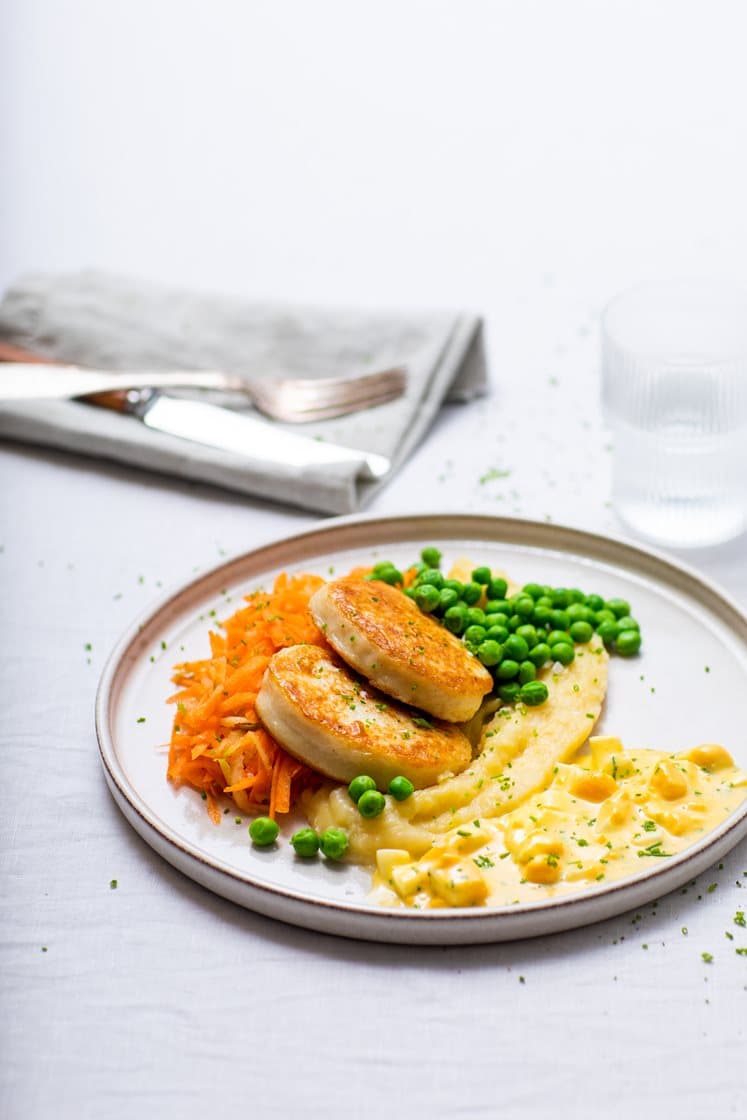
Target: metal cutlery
[(238, 432), (293, 400)]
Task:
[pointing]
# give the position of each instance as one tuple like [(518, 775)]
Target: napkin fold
[(111, 322)]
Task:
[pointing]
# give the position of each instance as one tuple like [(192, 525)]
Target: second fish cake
[(383, 635)]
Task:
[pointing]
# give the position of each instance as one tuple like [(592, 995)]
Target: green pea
[(360, 785), (607, 631), (471, 592), (391, 576), (524, 606), (507, 670), (528, 633), (489, 652), (263, 831), (386, 572), (495, 619), (509, 692), (560, 620), (475, 616), (498, 606), (455, 585), (515, 621), (497, 588), (581, 631), (447, 597), (474, 635), (482, 576), (576, 595), (333, 843), (544, 601), (371, 803), (533, 693), (562, 652), (427, 597), (433, 577), (556, 636), (401, 788), (628, 643), (540, 654), (527, 672), (627, 623), (605, 616), (560, 597), (579, 612), (619, 607), (515, 647), (497, 633), (455, 618), (305, 843), (542, 615), (594, 602), (409, 592), (533, 589), (431, 557)]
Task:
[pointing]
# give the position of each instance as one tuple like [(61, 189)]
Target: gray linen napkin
[(115, 323)]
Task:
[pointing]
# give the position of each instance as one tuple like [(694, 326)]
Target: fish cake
[(383, 635), (316, 708)]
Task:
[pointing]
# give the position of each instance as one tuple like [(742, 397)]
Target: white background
[(525, 160)]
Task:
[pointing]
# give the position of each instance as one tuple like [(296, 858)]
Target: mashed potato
[(519, 747), (537, 815)]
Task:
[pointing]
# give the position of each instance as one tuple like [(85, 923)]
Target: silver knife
[(214, 426)]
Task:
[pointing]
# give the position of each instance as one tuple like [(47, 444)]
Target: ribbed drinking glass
[(674, 389)]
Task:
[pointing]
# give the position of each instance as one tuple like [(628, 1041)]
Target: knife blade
[(258, 440)]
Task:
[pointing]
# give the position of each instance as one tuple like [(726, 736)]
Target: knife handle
[(9, 352), (115, 399), (41, 380)]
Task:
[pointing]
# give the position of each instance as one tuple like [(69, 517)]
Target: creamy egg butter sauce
[(602, 817)]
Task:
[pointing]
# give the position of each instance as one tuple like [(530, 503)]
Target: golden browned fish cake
[(386, 638), (316, 708)]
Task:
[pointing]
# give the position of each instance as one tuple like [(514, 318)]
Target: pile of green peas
[(369, 799), (332, 843), (515, 636)]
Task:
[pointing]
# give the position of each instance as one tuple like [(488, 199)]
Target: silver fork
[(296, 400)]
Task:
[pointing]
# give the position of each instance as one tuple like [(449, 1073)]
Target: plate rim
[(458, 926)]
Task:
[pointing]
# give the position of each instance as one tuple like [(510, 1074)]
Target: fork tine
[(324, 391), (305, 399), (301, 414), (320, 385), (342, 396)]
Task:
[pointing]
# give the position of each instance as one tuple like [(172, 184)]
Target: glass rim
[(733, 291)]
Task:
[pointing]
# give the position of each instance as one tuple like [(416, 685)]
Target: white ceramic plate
[(688, 686)]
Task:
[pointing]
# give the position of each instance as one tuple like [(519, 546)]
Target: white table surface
[(525, 160)]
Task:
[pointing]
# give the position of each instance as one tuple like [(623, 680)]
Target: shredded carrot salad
[(218, 745)]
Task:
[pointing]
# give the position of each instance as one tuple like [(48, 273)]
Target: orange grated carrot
[(211, 750)]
